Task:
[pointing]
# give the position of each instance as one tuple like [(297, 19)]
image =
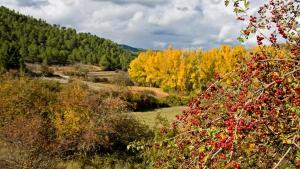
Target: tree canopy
[(24, 38), (184, 70)]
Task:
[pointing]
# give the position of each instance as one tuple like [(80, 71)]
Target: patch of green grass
[(150, 116)]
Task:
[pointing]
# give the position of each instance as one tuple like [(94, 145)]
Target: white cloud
[(160, 44), (141, 23)]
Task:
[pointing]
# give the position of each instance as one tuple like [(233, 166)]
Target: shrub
[(123, 78), (99, 80), (143, 102), (174, 100), (254, 121), (76, 73), (25, 143), (44, 122)]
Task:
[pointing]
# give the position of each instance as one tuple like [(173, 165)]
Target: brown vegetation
[(45, 122)]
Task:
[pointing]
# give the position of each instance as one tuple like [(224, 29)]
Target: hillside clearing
[(149, 117), (63, 74)]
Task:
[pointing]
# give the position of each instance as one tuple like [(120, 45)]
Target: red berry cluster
[(259, 39), (224, 143), (281, 31), (241, 18), (296, 51), (258, 109), (253, 19), (246, 32), (273, 38), (236, 165)]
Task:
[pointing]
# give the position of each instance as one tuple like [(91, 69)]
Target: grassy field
[(149, 117)]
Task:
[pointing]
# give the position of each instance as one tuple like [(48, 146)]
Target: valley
[(188, 99)]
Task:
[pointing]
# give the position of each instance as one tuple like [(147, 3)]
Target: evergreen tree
[(39, 42)]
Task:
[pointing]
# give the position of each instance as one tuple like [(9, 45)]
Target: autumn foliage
[(43, 123), (184, 70), (255, 121)]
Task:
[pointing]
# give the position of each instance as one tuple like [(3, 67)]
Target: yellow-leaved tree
[(184, 70)]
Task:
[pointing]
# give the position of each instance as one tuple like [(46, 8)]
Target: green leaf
[(241, 39), (227, 2), (246, 4)]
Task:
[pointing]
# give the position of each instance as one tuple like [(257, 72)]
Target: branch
[(296, 70), (282, 158), (289, 60), (216, 153), (214, 84), (297, 145), (172, 138), (294, 142), (270, 84)]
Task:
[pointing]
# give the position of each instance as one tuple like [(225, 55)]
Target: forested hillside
[(24, 38)]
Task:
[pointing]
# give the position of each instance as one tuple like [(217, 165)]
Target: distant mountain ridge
[(132, 49), (37, 41)]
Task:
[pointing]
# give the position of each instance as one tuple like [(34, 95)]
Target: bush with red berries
[(255, 122)]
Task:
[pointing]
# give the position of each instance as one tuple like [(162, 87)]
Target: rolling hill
[(27, 39)]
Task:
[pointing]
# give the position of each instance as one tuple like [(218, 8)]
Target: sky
[(148, 24)]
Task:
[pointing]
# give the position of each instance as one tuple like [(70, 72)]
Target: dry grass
[(76, 67), (104, 74), (95, 71), (135, 89), (70, 68), (151, 90)]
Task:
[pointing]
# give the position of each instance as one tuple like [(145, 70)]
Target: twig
[(282, 158), (216, 82), (296, 145), (290, 60), (197, 158), (262, 92), (216, 153), (291, 72), (270, 84), (172, 138), (231, 154), (294, 142)]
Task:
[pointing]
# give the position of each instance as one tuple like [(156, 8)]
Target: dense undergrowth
[(43, 124)]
